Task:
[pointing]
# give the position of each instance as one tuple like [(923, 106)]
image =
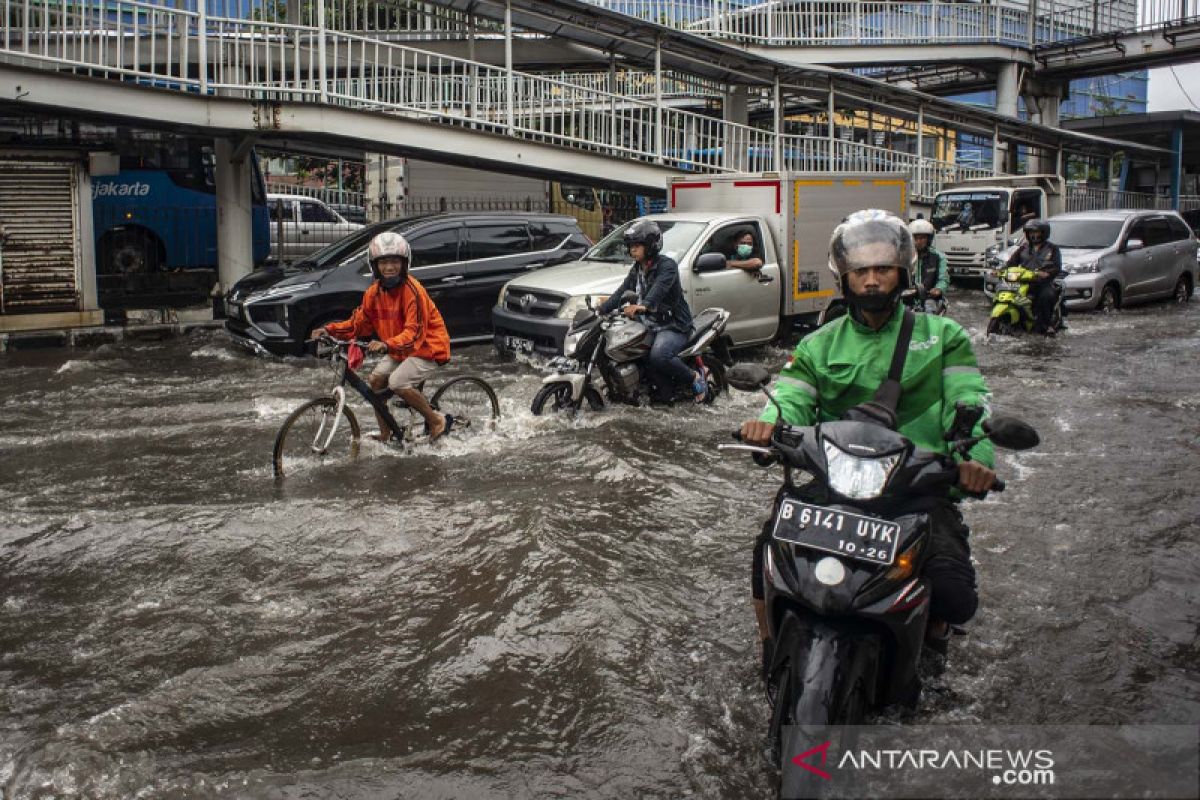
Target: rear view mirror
[(628, 296), (710, 262), (1011, 433), (1134, 244), (582, 316), (748, 377)]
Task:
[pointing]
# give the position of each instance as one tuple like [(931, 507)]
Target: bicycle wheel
[(470, 401), (312, 436)]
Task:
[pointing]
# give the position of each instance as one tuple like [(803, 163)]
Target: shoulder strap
[(881, 408), (902, 342)]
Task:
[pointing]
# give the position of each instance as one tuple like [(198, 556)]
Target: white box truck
[(791, 217), (972, 216)]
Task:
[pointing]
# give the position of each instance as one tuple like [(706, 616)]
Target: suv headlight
[(1086, 266), (572, 305), (503, 295), (279, 291), (857, 478)]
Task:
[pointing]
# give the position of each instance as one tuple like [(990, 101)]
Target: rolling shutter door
[(39, 263)]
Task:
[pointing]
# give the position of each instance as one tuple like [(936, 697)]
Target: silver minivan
[(301, 225), (1122, 256)]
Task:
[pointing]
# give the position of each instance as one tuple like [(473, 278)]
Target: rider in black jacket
[(654, 278), (1040, 255)]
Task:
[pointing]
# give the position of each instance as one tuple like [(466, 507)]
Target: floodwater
[(556, 609)]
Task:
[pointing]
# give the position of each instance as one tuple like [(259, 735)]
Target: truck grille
[(533, 303)]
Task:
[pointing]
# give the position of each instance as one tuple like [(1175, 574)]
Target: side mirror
[(628, 296), (1011, 433), (582, 316), (1134, 244), (748, 377), (709, 262)]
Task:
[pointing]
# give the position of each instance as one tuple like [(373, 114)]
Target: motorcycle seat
[(702, 323)]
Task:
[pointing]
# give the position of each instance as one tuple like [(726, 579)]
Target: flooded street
[(558, 609)]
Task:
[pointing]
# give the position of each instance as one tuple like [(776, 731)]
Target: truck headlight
[(572, 305), (855, 477), (503, 295)]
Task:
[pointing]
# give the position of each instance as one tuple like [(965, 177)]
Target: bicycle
[(312, 430)]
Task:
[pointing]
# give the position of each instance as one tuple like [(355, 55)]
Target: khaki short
[(404, 374)]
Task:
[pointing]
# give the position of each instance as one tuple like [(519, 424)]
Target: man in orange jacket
[(407, 326)]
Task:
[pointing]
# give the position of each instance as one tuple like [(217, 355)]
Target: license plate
[(1005, 286), (846, 534), (518, 345)]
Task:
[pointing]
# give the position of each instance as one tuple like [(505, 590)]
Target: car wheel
[(130, 253), (1110, 299), (1183, 289)]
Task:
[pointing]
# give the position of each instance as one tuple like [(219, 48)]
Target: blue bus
[(159, 214)]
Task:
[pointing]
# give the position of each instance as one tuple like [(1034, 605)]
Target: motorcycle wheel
[(558, 396), (996, 327), (824, 680)]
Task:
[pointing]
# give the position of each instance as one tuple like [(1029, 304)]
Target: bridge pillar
[(735, 109), (1007, 89), (1176, 163), (235, 218)]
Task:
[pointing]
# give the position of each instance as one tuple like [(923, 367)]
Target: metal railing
[(859, 22), (1089, 198), (326, 194)]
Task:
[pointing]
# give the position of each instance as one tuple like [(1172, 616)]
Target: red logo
[(823, 749)]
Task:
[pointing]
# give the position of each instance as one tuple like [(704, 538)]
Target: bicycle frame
[(378, 400)]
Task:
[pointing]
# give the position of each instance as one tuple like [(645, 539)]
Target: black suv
[(461, 259)]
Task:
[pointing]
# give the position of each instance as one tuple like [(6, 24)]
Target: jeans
[(664, 364)]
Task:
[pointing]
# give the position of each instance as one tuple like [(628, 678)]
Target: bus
[(158, 217)]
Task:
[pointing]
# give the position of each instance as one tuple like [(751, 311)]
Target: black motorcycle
[(847, 606), (614, 348)]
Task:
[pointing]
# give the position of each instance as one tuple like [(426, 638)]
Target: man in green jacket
[(843, 363), (931, 274)]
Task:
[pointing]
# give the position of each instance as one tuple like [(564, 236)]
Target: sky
[(1166, 93)]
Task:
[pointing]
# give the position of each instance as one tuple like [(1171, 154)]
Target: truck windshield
[(677, 238), (1085, 234), (962, 210)]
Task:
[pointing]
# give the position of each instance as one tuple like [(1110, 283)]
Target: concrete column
[(1007, 89), (735, 105), (777, 103), (235, 220), (1176, 164), (1050, 104), (509, 115), (658, 102)]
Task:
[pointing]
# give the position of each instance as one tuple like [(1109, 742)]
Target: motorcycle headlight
[(572, 305), (855, 477), (571, 343)]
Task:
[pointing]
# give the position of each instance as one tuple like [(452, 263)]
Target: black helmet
[(646, 233), (1039, 225)]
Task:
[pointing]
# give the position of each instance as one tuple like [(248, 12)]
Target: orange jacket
[(404, 318)]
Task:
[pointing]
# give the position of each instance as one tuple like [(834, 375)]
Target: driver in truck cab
[(654, 278), (841, 365)]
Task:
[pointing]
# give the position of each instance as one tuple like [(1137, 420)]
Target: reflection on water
[(558, 609)]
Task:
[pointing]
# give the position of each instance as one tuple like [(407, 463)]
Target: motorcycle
[(1012, 307), (847, 605), (918, 299), (614, 347)]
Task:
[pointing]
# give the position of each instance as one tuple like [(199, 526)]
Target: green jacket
[(842, 364)]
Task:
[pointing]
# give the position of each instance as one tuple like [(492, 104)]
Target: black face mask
[(391, 283), (875, 302)]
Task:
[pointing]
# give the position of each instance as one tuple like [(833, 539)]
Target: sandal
[(700, 387)]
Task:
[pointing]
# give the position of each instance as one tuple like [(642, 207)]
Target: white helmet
[(388, 244), (855, 243), (921, 227)]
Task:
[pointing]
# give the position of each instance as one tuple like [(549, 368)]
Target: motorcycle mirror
[(748, 377), (628, 296), (1011, 433)]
